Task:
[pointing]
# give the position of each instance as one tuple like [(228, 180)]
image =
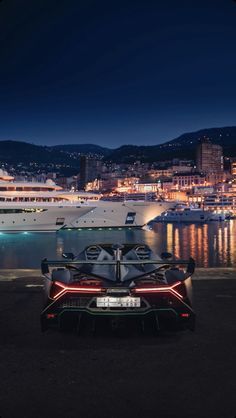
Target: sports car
[(117, 282)]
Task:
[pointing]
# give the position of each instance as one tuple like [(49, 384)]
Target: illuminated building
[(233, 167), (90, 169), (209, 157), (188, 180)]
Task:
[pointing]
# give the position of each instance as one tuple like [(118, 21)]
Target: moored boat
[(35, 206), (190, 215)]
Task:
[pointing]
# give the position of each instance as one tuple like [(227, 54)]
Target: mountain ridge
[(182, 147)]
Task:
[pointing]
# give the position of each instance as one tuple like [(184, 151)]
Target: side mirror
[(191, 266), (44, 266), (69, 256), (166, 255)]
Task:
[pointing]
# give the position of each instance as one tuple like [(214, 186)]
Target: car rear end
[(168, 305)]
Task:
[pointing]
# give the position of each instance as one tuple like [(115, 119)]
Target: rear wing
[(190, 263)]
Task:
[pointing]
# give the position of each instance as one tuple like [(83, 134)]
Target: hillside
[(182, 147), (34, 158), (13, 152), (67, 156), (226, 137), (83, 149)]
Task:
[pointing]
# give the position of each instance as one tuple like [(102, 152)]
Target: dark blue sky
[(112, 73)]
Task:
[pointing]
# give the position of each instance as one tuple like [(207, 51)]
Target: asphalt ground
[(171, 375)]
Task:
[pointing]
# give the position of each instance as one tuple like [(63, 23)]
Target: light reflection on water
[(211, 245)]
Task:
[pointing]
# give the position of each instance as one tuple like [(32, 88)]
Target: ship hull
[(39, 217), (121, 214)]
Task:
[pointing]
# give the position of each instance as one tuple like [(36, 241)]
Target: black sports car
[(117, 282)]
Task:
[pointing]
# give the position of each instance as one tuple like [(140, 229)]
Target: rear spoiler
[(190, 263)]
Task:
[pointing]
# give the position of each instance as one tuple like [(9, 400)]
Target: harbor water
[(210, 244)]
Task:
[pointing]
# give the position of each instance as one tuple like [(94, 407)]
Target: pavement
[(172, 375)]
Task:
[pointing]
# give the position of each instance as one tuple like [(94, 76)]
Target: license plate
[(118, 302)]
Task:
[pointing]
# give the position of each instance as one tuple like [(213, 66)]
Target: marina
[(36, 206), (211, 244), (117, 209)]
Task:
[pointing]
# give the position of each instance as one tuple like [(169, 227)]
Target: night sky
[(113, 73)]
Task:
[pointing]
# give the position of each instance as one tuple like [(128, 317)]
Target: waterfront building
[(90, 169), (188, 180), (156, 174), (108, 184), (203, 190), (209, 157), (233, 167), (167, 185), (147, 187), (215, 178), (216, 201), (181, 168), (95, 186), (177, 195)]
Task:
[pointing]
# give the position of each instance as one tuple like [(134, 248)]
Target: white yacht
[(35, 206), (190, 215), (121, 214)]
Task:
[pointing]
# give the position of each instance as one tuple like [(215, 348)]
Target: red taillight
[(51, 315), (159, 289), (180, 289), (185, 315), (58, 289)]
